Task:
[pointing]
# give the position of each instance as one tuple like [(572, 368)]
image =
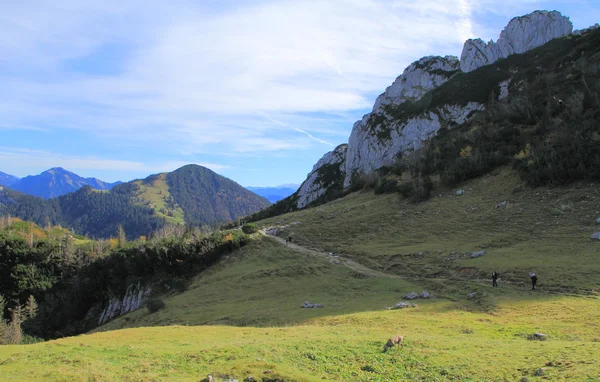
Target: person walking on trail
[(494, 278), (533, 280)]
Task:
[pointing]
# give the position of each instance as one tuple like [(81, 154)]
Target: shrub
[(405, 189), (385, 186), (249, 228), (155, 304), (180, 284)]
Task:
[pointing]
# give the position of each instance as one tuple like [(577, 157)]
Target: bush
[(385, 186), (249, 228), (155, 304), (180, 284)]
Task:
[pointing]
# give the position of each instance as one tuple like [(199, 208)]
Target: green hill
[(251, 322), (192, 194)]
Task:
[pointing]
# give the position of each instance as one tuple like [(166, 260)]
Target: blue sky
[(257, 91)]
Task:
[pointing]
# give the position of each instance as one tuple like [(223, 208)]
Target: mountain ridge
[(191, 195), (54, 182)]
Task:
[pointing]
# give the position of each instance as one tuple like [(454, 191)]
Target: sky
[(256, 91)]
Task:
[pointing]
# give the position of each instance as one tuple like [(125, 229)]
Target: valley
[(464, 167)]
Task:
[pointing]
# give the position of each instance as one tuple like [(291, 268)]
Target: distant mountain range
[(52, 183), (275, 194), (192, 194), (7, 180)]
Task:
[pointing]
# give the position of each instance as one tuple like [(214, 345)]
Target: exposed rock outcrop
[(520, 35), (395, 126), (417, 79), (369, 150), (135, 297), (327, 173)]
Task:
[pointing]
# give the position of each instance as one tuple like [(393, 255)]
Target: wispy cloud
[(219, 78)]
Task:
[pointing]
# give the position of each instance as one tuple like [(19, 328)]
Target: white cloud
[(219, 77), (199, 71)]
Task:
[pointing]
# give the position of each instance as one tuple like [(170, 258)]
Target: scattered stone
[(210, 378), (538, 337), (524, 379), (477, 254), (420, 253), (460, 192), (425, 294), (249, 379), (308, 305), (596, 236), (404, 304), (268, 371), (598, 221), (411, 296), (472, 294), (539, 372), (504, 204), (334, 261)]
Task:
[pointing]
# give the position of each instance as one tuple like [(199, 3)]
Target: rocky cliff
[(135, 297), (520, 35), (391, 128), (325, 175)]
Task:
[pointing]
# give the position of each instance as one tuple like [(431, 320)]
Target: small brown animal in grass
[(397, 340)]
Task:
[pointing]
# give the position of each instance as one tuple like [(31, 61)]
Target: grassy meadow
[(242, 317)]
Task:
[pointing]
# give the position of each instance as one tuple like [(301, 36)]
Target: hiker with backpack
[(494, 278), (533, 280)]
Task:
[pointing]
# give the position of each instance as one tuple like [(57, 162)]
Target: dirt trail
[(359, 268)]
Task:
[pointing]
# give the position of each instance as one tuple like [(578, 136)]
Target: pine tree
[(3, 303), (14, 332), (121, 238), (31, 307)]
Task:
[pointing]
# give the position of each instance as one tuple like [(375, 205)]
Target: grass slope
[(153, 192), (250, 323), (546, 230), (446, 340)]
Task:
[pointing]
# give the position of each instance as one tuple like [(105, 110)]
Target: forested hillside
[(209, 198), (192, 194), (51, 279)]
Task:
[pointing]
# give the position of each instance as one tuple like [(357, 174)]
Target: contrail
[(277, 122)]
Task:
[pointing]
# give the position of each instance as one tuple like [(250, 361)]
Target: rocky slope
[(403, 116), (520, 35)]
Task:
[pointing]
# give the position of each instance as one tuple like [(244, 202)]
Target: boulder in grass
[(477, 254), (596, 236), (411, 296)]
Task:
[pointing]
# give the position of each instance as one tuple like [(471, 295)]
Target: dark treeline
[(68, 276)]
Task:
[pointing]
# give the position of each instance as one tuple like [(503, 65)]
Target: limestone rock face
[(520, 35), (380, 136), (368, 151), (328, 170), (417, 79), (135, 298)]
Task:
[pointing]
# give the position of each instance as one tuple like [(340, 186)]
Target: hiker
[(533, 280), (494, 278), (289, 240)]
